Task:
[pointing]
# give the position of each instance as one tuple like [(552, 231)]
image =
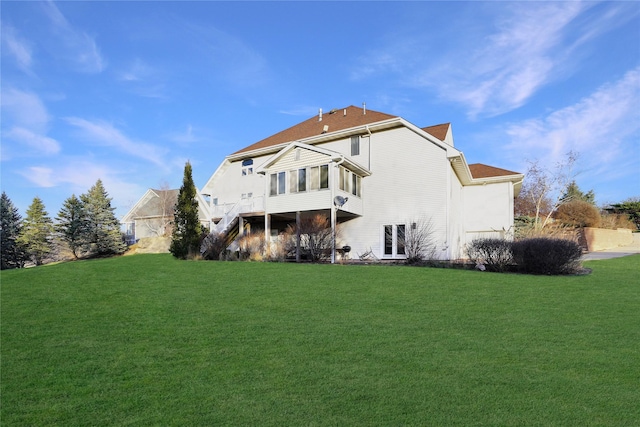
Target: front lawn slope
[(149, 340)]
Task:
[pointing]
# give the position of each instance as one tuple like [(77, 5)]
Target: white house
[(373, 174)]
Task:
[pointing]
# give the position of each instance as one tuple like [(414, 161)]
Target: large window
[(394, 240), (277, 183), (299, 180), (350, 182), (319, 177)]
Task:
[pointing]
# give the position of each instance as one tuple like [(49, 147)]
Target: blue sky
[(129, 91)]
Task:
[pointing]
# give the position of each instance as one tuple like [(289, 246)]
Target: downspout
[(333, 208), (369, 132)]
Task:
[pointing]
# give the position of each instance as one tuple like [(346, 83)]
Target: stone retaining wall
[(598, 239)]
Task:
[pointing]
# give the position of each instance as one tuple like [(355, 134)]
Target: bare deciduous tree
[(543, 189), (420, 240), (160, 223), (315, 236)]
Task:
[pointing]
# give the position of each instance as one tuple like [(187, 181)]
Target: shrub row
[(534, 256)]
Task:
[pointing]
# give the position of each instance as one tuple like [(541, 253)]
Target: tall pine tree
[(103, 228), (37, 232), (12, 252), (72, 225), (185, 239)]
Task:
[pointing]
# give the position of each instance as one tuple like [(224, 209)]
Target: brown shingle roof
[(439, 131), (478, 170), (336, 120)]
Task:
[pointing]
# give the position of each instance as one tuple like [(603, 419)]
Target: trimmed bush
[(547, 256), (493, 254)]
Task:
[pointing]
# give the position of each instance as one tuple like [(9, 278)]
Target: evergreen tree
[(12, 252), (573, 192), (185, 240), (72, 225), (630, 207), (37, 232), (103, 228)]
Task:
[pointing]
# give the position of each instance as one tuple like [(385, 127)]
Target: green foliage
[(103, 228), (37, 232), (273, 344), (72, 225), (573, 193), (629, 207), (578, 213), (12, 252), (187, 232)]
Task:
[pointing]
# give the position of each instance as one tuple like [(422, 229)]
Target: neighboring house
[(373, 174), (152, 215)]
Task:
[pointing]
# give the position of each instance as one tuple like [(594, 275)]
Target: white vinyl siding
[(408, 181)]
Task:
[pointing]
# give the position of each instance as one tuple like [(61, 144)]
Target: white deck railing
[(230, 211)]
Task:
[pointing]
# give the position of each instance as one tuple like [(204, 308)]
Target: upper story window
[(355, 145), (277, 183), (350, 182), (247, 167), (299, 180), (319, 177)]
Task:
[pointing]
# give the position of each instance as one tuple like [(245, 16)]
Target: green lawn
[(149, 340)]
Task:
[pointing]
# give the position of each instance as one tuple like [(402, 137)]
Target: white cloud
[(498, 55), (78, 175), (103, 133), (40, 143), (137, 71), (514, 62), (26, 121), (24, 109), (17, 47), (186, 137), (603, 127), (306, 111), (143, 80), (76, 46)]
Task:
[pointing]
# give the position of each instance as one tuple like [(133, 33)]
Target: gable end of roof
[(439, 131)]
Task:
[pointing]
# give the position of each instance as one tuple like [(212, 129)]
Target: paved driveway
[(620, 251)]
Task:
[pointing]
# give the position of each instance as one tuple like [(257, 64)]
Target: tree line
[(86, 226)]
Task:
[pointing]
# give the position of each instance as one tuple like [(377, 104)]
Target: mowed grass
[(149, 340)]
